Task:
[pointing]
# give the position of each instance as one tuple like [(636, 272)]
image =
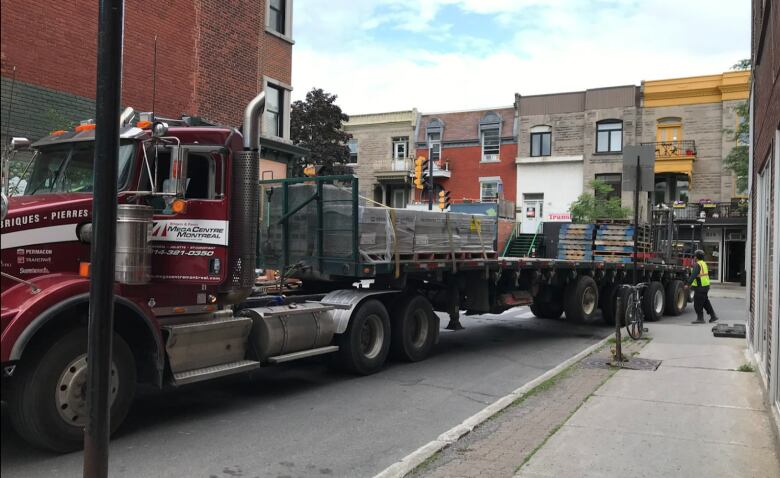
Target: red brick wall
[(466, 169), (211, 56)]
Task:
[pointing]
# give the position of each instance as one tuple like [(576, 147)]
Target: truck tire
[(547, 310), (414, 329), (609, 303), (654, 301), (364, 346), (581, 299), (48, 396), (675, 298)]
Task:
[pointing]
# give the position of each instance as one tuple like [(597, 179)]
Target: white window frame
[(540, 130), (610, 149), (491, 157), (434, 144), (490, 180), (350, 142), (400, 141), (284, 108), (288, 11)]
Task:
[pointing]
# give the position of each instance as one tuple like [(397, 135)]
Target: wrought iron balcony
[(707, 210), (683, 149)]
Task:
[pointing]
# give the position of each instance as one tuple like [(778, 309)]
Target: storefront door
[(533, 212)]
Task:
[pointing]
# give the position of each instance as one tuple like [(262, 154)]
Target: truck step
[(303, 354), (200, 345), (207, 373)]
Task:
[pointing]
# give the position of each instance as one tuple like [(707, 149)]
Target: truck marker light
[(85, 127), (179, 310), (59, 132), (84, 269), (179, 206), (144, 124)]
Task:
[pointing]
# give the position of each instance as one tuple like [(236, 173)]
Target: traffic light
[(418, 172), (425, 178), (444, 200)]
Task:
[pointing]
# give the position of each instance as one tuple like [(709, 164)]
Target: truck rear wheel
[(581, 300), (675, 298), (414, 329), (364, 346), (48, 396), (654, 301), (547, 310)]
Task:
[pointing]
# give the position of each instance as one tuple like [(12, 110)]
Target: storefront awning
[(682, 166)]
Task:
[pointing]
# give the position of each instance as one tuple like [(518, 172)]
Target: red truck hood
[(41, 210)]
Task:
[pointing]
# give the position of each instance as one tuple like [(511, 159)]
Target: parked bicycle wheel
[(634, 317)]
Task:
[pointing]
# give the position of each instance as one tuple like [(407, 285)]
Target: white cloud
[(569, 45)]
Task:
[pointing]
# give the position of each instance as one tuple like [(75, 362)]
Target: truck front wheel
[(364, 346), (48, 402)]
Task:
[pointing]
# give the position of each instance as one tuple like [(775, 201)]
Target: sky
[(444, 55)]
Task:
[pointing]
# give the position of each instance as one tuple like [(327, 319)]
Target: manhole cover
[(633, 363)]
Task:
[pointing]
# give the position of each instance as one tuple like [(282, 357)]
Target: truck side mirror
[(20, 144), (176, 185)]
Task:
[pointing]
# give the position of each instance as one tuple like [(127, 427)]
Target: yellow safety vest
[(704, 277)]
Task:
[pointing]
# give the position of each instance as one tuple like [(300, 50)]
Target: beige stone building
[(382, 155)]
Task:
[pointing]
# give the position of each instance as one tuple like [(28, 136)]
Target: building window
[(491, 143), (541, 141), (352, 144), (615, 181), (400, 147), (670, 188), (609, 136), (276, 16), (489, 189), (274, 111), (434, 146)]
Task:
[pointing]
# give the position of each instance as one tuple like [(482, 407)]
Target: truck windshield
[(67, 168)]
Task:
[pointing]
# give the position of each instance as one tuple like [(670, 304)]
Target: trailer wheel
[(414, 329), (48, 396), (582, 299), (654, 301), (609, 303), (675, 298), (547, 310), (364, 346)]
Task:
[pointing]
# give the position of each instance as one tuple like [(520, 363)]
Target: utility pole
[(430, 184), (101, 292), (636, 217)]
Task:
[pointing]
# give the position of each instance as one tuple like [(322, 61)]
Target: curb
[(411, 461)]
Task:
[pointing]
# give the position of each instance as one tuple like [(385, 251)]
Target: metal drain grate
[(633, 363)]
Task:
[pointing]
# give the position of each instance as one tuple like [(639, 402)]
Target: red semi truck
[(189, 222)]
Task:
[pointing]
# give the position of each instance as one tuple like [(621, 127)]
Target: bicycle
[(634, 316)]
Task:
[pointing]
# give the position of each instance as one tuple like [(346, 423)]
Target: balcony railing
[(683, 149), (704, 211)]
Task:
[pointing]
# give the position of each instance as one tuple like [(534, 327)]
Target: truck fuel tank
[(283, 329)]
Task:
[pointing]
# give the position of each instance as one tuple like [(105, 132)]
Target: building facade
[(473, 154), (691, 123), (571, 137), (211, 58), (763, 328), (382, 151)]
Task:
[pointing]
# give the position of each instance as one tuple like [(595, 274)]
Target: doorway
[(734, 260), (532, 213)]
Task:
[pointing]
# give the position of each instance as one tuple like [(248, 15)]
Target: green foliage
[(743, 64), (737, 159), (56, 120), (315, 124), (746, 367), (589, 207)]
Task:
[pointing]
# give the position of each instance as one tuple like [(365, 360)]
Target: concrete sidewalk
[(694, 416)]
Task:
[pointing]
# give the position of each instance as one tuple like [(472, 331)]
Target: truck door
[(190, 245)]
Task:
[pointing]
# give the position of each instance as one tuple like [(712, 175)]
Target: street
[(304, 419)]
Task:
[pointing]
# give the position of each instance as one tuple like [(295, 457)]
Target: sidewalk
[(695, 416), (727, 290)]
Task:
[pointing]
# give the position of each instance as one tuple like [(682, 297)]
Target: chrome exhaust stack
[(251, 130)]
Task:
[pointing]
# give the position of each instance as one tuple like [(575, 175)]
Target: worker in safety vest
[(700, 281)]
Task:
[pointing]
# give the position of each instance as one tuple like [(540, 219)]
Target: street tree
[(598, 205), (737, 159), (316, 124)]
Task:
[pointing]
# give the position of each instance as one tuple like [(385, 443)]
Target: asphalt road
[(304, 419)]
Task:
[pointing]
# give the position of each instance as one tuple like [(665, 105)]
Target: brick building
[(382, 155), (210, 62), (572, 137), (473, 153), (764, 295)]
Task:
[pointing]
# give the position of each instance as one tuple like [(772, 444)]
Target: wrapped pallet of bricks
[(384, 234), (575, 242), (615, 242)]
